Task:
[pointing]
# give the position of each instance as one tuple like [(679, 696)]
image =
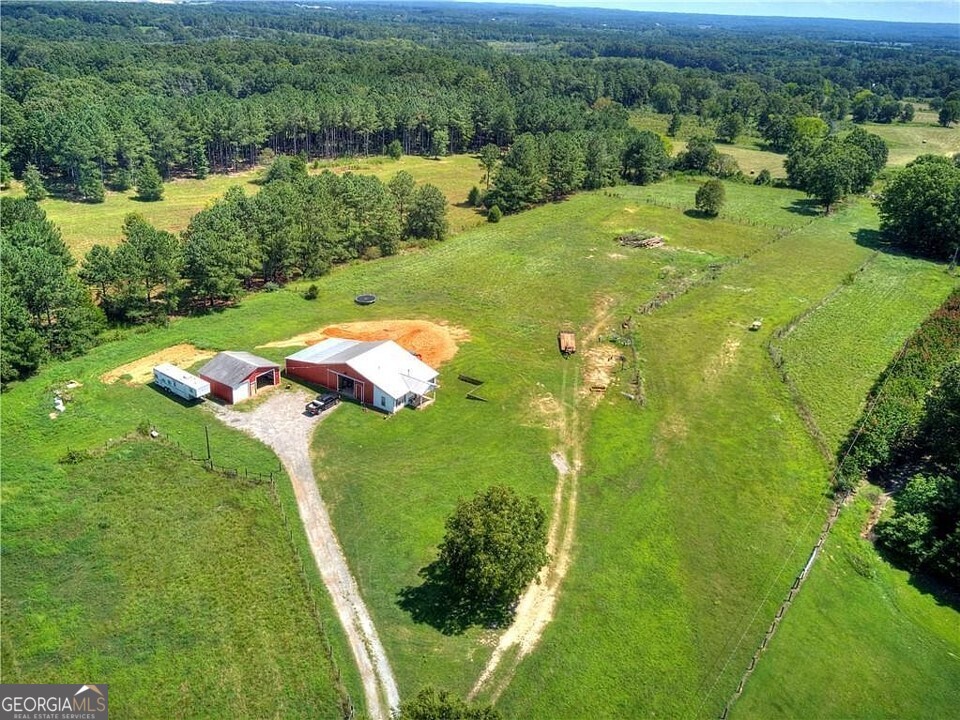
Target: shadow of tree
[(439, 603), (876, 240), (808, 207), (698, 214), (925, 584)]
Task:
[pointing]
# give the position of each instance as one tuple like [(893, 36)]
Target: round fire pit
[(365, 299)]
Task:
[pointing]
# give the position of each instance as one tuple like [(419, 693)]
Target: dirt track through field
[(280, 422), (538, 603)]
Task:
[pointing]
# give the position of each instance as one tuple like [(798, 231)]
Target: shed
[(180, 382), (236, 376), (380, 374)]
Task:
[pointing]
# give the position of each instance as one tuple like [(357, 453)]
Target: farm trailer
[(180, 382)]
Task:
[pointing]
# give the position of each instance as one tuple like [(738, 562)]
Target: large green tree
[(920, 207), (46, 310), (566, 165), (489, 157), (710, 197), (645, 158), (428, 213), (149, 182), (33, 183), (495, 545)]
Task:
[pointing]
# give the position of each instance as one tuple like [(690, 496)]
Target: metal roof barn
[(236, 376), (380, 374)]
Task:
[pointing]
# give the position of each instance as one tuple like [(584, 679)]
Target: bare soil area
[(435, 343), (140, 371)]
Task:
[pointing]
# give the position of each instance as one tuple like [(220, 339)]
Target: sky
[(938, 11)]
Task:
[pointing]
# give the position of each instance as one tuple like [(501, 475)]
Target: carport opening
[(346, 385), (265, 380)]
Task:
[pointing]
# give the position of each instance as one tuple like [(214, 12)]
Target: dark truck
[(321, 403)]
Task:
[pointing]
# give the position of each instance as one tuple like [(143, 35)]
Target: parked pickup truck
[(321, 403)]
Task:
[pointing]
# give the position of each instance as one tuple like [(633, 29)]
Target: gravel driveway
[(281, 423)]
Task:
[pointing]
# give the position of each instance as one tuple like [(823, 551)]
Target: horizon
[(946, 12)]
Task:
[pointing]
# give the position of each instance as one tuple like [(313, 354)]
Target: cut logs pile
[(638, 240)]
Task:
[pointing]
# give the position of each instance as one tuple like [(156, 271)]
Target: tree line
[(910, 441), (296, 226), (93, 98)]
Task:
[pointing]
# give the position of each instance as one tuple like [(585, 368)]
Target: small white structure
[(180, 382)]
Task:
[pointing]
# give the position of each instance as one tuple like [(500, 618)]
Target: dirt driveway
[(280, 422)]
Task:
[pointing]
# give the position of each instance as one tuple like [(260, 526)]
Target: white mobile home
[(180, 382)]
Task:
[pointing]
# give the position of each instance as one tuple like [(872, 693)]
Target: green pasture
[(774, 209), (85, 224), (906, 141), (695, 511), (175, 585), (747, 150), (837, 352), (923, 136), (511, 286), (863, 640)]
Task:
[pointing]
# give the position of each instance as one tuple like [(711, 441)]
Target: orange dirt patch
[(435, 343), (141, 371), (600, 364)]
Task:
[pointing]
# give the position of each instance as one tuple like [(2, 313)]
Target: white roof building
[(381, 374)]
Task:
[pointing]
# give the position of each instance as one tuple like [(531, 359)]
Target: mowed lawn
[(837, 352), (175, 585), (863, 640), (85, 224)]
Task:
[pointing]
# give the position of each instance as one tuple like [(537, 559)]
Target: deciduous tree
[(710, 197), (428, 213), (920, 207), (495, 545), (645, 158)]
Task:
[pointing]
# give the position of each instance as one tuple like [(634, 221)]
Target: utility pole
[(206, 432)]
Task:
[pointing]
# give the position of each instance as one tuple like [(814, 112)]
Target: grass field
[(174, 584), (905, 140), (695, 511), (862, 640), (84, 225), (836, 353), (922, 136)]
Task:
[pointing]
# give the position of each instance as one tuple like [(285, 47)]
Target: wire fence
[(293, 529)]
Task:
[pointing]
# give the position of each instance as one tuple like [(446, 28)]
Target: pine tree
[(33, 183), (149, 182)]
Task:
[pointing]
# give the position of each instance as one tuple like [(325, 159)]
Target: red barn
[(379, 374), (236, 376)]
